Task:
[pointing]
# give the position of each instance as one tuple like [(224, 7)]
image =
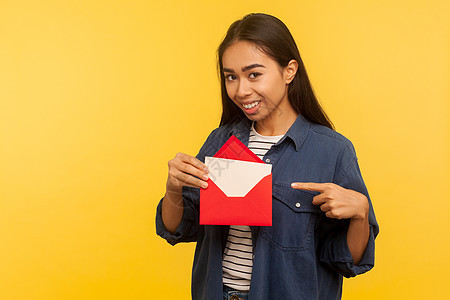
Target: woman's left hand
[(337, 202)]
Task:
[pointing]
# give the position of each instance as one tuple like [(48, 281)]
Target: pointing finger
[(310, 186)]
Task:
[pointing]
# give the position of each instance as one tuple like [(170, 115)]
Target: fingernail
[(206, 170), (293, 184), (206, 177), (204, 185)]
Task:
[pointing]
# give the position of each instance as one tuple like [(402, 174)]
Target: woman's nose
[(244, 89)]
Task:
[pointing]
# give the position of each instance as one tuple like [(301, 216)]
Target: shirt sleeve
[(187, 230), (333, 233)]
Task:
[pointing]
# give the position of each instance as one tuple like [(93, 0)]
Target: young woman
[(324, 226)]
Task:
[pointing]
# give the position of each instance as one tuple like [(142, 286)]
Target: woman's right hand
[(186, 170)]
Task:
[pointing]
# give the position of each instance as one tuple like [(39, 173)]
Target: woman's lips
[(252, 107)]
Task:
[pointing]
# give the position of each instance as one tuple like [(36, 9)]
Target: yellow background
[(97, 96)]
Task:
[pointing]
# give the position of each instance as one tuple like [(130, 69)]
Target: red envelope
[(253, 208)]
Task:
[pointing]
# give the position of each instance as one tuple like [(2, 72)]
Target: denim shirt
[(304, 254)]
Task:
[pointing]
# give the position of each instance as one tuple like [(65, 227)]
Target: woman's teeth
[(251, 105)]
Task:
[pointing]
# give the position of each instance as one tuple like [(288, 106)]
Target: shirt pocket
[(293, 218)]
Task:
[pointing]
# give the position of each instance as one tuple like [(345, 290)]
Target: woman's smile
[(251, 107)]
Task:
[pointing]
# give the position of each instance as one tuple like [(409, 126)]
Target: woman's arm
[(340, 203), (172, 210), (358, 231)]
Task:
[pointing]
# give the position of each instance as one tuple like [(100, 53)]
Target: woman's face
[(255, 82)]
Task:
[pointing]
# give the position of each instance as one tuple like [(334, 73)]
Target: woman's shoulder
[(331, 137), (219, 136), (219, 132), (225, 130)]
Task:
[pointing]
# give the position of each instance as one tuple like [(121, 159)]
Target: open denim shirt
[(304, 254)]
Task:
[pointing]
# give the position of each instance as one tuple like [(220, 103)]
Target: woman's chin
[(257, 116), (254, 117)]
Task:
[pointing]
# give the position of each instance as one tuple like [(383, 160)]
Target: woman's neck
[(276, 124)]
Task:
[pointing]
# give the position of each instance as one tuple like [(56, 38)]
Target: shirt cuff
[(340, 258), (188, 227)]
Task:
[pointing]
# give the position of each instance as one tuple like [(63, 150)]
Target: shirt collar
[(297, 132), (241, 129)]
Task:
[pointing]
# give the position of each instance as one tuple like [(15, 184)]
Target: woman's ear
[(290, 70)]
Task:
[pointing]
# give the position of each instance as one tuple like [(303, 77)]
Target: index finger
[(198, 164), (310, 186)]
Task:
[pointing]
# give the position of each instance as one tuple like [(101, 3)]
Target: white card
[(236, 177)]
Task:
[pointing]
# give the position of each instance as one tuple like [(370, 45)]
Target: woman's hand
[(186, 170), (183, 171), (336, 201), (340, 203)]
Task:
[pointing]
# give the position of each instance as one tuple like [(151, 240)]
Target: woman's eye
[(230, 77), (254, 75)]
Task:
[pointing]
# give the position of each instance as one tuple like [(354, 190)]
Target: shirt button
[(267, 160), (297, 204), (238, 135)]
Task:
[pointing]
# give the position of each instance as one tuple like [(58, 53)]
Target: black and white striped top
[(237, 260)]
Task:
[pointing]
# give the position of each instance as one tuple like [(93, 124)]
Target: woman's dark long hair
[(272, 37)]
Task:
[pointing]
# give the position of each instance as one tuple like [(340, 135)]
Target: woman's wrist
[(363, 211)]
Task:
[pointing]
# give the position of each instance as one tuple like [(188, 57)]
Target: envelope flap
[(235, 149)]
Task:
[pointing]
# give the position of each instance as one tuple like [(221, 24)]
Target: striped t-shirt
[(237, 259)]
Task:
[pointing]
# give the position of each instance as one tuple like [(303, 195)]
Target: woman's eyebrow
[(252, 66), (246, 68)]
